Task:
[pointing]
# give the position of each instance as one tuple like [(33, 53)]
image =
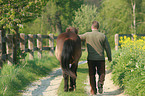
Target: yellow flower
[(135, 44), (124, 37), (121, 38)]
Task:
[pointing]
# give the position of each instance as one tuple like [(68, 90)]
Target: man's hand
[(109, 61)]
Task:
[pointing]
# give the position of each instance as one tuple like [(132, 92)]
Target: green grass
[(15, 78), (84, 56), (82, 73)]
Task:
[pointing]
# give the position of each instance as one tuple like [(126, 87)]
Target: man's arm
[(108, 49), (83, 37)]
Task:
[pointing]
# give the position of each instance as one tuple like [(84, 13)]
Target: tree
[(84, 17), (122, 16), (15, 12), (57, 15), (93, 2)]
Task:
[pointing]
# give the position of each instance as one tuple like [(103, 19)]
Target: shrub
[(128, 66)]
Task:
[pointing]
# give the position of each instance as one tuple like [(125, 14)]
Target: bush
[(128, 66), (84, 18)]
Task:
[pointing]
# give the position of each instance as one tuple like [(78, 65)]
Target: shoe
[(100, 88)]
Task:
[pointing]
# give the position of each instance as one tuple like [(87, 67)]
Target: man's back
[(96, 43)]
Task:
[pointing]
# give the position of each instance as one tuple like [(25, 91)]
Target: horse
[(68, 53)]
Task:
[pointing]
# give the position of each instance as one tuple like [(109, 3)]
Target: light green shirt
[(97, 42)]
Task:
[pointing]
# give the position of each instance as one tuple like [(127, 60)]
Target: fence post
[(116, 41), (51, 44), (9, 45), (31, 46), (0, 49), (22, 44), (39, 45)]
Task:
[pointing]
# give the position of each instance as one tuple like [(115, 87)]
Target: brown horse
[(68, 52)]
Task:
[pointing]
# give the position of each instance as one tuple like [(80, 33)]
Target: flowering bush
[(128, 66)]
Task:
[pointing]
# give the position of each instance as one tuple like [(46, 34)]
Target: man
[(96, 44)]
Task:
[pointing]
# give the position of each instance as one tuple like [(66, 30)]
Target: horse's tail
[(67, 57)]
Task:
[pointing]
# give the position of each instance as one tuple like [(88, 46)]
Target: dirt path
[(49, 85), (109, 88), (45, 86)]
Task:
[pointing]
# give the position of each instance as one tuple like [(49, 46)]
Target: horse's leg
[(73, 80), (65, 76)]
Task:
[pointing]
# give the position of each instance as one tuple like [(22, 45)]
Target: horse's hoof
[(72, 89), (93, 92), (65, 90)]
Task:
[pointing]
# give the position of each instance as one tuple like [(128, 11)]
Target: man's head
[(95, 25)]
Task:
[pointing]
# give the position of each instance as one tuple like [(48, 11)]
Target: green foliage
[(128, 67), (84, 56), (84, 17), (15, 78), (56, 12), (16, 12), (116, 16)]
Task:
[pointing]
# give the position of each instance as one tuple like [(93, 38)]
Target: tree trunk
[(58, 27), (3, 45), (134, 17), (51, 24), (16, 44), (58, 24)]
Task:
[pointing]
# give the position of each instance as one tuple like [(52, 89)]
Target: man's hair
[(95, 24)]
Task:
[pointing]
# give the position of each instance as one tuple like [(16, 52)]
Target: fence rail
[(27, 43), (117, 37)]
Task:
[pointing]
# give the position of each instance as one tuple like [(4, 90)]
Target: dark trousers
[(99, 66)]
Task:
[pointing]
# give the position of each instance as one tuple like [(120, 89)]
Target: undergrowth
[(128, 66), (14, 78)]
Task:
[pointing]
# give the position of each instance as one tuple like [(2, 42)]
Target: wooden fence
[(34, 44), (117, 37)]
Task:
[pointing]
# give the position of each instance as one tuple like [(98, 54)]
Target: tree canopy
[(122, 16), (14, 12), (57, 15), (84, 17)]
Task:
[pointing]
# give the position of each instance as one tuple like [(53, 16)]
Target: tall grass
[(16, 77), (128, 66)]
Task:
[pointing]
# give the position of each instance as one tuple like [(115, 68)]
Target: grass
[(15, 78), (82, 73), (84, 56)]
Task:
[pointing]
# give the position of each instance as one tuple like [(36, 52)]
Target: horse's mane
[(72, 29)]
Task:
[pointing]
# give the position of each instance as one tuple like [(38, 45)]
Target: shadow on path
[(37, 88), (45, 83)]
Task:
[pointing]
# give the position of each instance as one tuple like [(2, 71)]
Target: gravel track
[(109, 89), (48, 86)]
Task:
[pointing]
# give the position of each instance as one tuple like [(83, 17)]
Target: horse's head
[(72, 29)]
